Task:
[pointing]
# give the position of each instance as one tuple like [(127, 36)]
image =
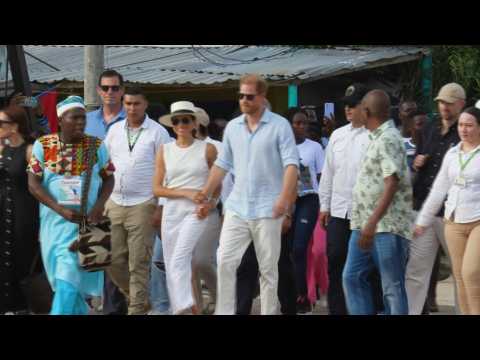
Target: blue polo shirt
[(96, 125), (258, 161)]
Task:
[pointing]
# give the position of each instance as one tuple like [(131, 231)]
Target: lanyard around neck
[(130, 144), (462, 164)]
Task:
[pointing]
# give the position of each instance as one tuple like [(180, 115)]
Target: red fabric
[(49, 103), (317, 264)]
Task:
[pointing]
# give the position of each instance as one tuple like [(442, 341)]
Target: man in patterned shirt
[(381, 216)]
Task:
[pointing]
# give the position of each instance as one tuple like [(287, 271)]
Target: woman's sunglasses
[(184, 121)]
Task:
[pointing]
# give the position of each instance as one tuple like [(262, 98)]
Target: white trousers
[(236, 236), (423, 251), (204, 259), (181, 231)]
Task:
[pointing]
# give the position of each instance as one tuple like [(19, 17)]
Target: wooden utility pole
[(21, 81), (94, 63)]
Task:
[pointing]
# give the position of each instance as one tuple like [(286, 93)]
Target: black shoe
[(434, 307), (430, 306), (303, 306)]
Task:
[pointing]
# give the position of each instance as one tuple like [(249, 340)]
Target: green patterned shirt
[(385, 156)]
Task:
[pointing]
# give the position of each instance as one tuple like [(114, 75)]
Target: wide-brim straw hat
[(179, 108), (202, 116)]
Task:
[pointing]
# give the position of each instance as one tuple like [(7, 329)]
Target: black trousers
[(338, 236), (248, 282), (114, 302)]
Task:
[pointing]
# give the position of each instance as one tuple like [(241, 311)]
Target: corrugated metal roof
[(197, 65)]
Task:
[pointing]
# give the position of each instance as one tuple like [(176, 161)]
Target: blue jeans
[(303, 224), (158, 282), (389, 254)]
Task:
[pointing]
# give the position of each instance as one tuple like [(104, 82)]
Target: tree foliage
[(460, 64), (451, 63)]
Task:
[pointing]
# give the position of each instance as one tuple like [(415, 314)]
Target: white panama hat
[(202, 116), (180, 108)]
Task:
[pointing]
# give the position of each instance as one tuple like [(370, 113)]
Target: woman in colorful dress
[(57, 170)]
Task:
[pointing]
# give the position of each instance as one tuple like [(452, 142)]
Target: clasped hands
[(204, 204)]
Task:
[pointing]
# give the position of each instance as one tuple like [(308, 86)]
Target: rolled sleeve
[(225, 157), (287, 146), (390, 159)]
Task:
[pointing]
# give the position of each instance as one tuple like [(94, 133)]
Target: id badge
[(461, 181), (70, 191), (131, 160)]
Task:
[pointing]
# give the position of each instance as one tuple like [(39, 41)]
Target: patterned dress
[(53, 161)]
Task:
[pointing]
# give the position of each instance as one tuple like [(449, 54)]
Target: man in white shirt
[(343, 158), (132, 208)]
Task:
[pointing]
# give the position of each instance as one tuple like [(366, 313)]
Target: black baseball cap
[(354, 94)]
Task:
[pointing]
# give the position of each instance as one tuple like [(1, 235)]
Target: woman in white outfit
[(204, 256), (459, 181), (182, 169)]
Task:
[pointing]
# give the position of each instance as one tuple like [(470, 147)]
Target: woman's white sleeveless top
[(185, 168)]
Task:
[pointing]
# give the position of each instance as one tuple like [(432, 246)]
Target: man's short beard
[(450, 117)]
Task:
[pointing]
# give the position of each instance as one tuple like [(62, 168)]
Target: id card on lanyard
[(132, 141), (70, 191), (461, 181)]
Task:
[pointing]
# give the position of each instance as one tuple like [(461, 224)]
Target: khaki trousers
[(463, 241), (132, 247), (423, 251)]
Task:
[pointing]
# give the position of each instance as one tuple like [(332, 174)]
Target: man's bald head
[(377, 104)]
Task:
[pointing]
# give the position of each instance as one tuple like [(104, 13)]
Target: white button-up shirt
[(463, 201), (134, 169), (343, 158)]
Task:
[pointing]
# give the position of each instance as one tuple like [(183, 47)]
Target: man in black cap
[(344, 154)]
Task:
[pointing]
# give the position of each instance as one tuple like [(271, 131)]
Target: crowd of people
[(203, 226)]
